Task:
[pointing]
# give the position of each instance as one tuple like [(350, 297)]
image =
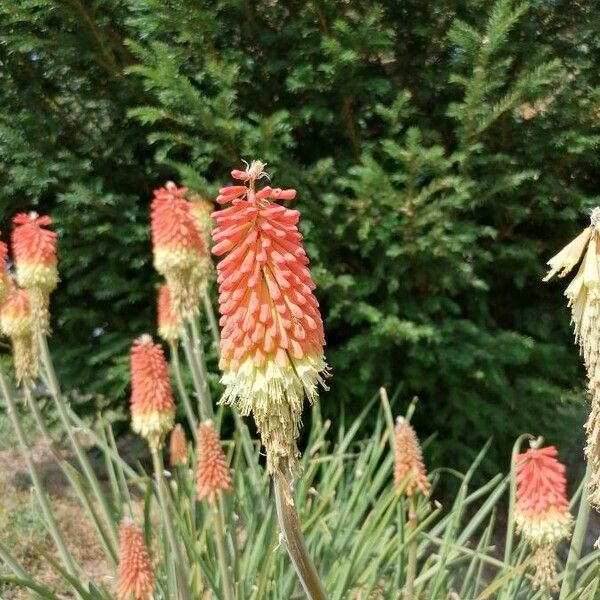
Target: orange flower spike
[(272, 333), (212, 470), (135, 572), (201, 210), (152, 405), (180, 254), (409, 469), (34, 252), (542, 512), (169, 323), (16, 322), (4, 281), (178, 451)]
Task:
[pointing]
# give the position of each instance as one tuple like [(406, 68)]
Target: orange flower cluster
[(17, 323), (169, 322), (542, 509), (212, 471), (178, 452), (409, 470), (152, 405), (180, 254), (135, 572), (272, 333), (34, 252), (201, 210)]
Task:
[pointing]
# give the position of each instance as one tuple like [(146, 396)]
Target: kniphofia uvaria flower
[(542, 512), (135, 572), (152, 405), (178, 451), (34, 253), (169, 322), (409, 470), (272, 334), (180, 254), (212, 471)]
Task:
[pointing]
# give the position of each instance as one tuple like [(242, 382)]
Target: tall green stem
[(184, 593), (37, 482), (411, 567), (204, 405), (581, 525), (222, 555), (79, 451), (198, 349), (187, 405), (291, 528), (212, 320)]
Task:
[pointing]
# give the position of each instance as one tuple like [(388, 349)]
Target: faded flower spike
[(409, 470), (178, 451), (152, 406), (201, 210), (34, 252), (135, 572), (542, 512), (180, 254), (16, 322), (272, 334), (169, 323), (212, 474), (4, 280), (583, 294)]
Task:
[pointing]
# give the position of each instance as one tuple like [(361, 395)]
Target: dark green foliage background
[(442, 152)]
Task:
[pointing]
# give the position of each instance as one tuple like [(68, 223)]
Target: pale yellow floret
[(35, 275), (549, 530), (569, 256), (275, 395), (153, 426)]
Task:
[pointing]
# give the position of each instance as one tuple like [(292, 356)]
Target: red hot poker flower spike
[(542, 508), (272, 333), (135, 573), (34, 251), (4, 281), (212, 470), (178, 447), (16, 322), (180, 254), (409, 469), (152, 405)]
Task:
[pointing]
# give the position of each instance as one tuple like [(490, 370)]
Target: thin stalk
[(222, 556), (212, 320), (187, 404), (291, 528), (411, 567), (204, 405), (583, 517), (162, 498), (79, 451), (198, 348), (37, 482)]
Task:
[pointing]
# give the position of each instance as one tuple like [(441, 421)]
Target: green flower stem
[(411, 567), (222, 555), (198, 348), (291, 528), (184, 593), (37, 482), (55, 391), (204, 406), (187, 404), (581, 525), (212, 320)]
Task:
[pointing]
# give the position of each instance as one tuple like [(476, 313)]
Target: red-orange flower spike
[(272, 333), (16, 322), (212, 474), (409, 469), (135, 572), (34, 252), (542, 512), (180, 254), (152, 405), (169, 322), (4, 281), (201, 210), (178, 447)]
